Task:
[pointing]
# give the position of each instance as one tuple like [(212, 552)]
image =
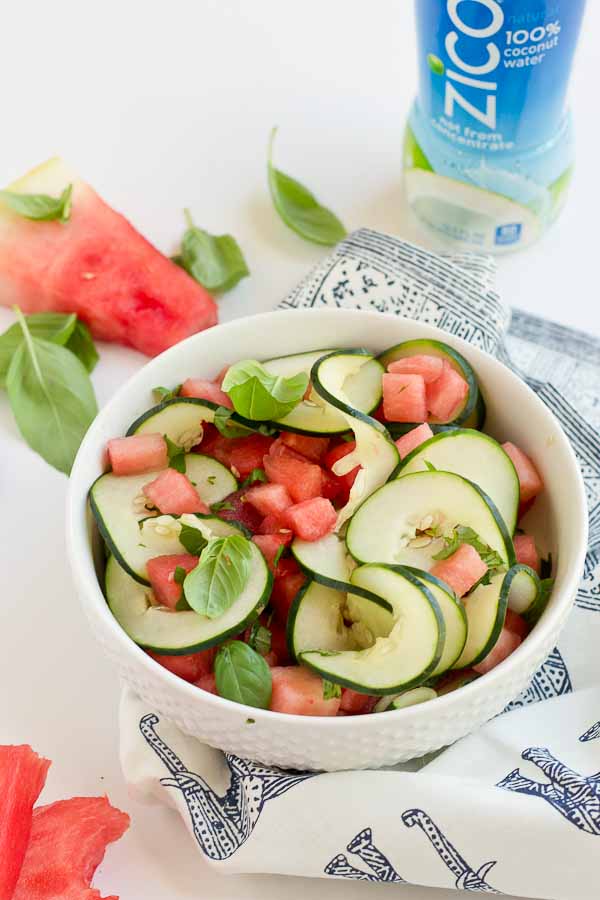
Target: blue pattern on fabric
[(551, 680), (592, 733)]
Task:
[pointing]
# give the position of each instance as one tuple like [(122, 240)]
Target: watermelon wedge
[(22, 777), (97, 266), (67, 844)]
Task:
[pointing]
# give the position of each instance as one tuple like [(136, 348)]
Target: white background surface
[(166, 105)]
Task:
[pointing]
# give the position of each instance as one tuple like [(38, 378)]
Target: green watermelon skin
[(99, 267)]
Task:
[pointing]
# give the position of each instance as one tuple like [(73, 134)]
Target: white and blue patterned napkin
[(526, 818)]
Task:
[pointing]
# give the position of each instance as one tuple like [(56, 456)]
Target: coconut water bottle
[(488, 149)]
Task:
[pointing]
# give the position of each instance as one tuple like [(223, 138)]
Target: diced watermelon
[(404, 398), (355, 704), (189, 666), (311, 519), (215, 444), (285, 588), (236, 509), (22, 777), (447, 394), (313, 448), (208, 683), (516, 624), (507, 643), (247, 453), (524, 508), (412, 439), (218, 379), (461, 570), (203, 389), (526, 551), (174, 494), (279, 645), (288, 566), (429, 367), (298, 691), (269, 499), (67, 844), (279, 448), (303, 480), (271, 659), (529, 478), (271, 525), (269, 545), (97, 266), (333, 488), (453, 680), (161, 572), (137, 454), (347, 480)]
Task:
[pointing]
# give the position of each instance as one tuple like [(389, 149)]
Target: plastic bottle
[(488, 150)]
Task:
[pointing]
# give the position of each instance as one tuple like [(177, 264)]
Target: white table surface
[(166, 105)]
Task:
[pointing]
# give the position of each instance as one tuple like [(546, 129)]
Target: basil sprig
[(40, 207), (215, 261), (220, 577), (51, 397), (462, 534), (192, 539), (257, 394), (242, 675), (300, 209), (59, 328)]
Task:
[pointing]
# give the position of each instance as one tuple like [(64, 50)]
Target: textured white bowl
[(514, 412)]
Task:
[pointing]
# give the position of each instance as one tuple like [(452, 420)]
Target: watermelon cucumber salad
[(327, 533)]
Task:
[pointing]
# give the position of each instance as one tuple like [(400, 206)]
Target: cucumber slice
[(486, 611), (174, 633), (160, 534), (455, 619), (473, 413), (384, 528), (524, 588), (316, 416), (403, 658), (114, 503), (475, 456), (317, 618), (326, 560), (180, 419), (375, 451), (408, 698)]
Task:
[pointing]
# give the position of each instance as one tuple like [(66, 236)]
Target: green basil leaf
[(462, 534), (331, 690), (222, 506), (81, 344), (430, 465), (220, 577), (224, 425), (278, 555), (175, 454), (254, 476), (55, 327), (51, 397), (161, 394), (214, 261), (40, 207), (192, 539), (242, 675), (260, 639), (179, 574), (299, 209), (258, 395)]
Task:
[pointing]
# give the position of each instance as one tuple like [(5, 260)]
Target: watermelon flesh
[(300, 692), (207, 683), (161, 574), (202, 389), (447, 394), (311, 519), (530, 481), (174, 494), (97, 266), (22, 777), (429, 367), (462, 570), (270, 545), (247, 454), (313, 448), (404, 398), (413, 439), (137, 454), (354, 704), (269, 499), (302, 479), (67, 844), (189, 666), (506, 644), (526, 551)]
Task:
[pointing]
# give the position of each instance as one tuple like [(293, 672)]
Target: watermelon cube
[(174, 494), (137, 454), (526, 551), (302, 479), (333, 488), (189, 666), (203, 389), (507, 643), (344, 481), (270, 544), (246, 454), (299, 692), (529, 478), (516, 623), (207, 683), (313, 448), (22, 777), (447, 395), (269, 499), (413, 439), (354, 704), (218, 379), (311, 519), (285, 587), (461, 570), (429, 367), (67, 844), (270, 525), (236, 509), (280, 448), (215, 444), (161, 573), (404, 398), (97, 266)]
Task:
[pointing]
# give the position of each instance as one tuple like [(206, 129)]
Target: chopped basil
[(176, 455), (192, 539), (260, 396), (220, 577), (331, 690), (260, 639)]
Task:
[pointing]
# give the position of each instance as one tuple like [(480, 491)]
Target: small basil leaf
[(224, 425), (223, 506), (278, 555), (175, 454), (161, 394), (254, 476), (220, 577), (179, 574), (462, 534), (331, 690), (192, 539), (52, 398), (40, 207), (214, 261), (299, 209), (242, 675), (55, 327), (81, 344), (430, 465), (257, 394), (260, 639)]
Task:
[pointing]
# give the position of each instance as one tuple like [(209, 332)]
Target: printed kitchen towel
[(526, 818)]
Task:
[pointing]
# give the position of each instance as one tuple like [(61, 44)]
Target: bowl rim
[(84, 576)]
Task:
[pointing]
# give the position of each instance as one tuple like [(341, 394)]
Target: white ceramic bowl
[(560, 524)]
